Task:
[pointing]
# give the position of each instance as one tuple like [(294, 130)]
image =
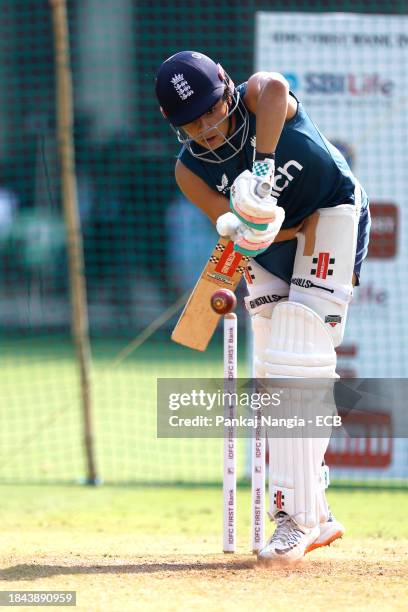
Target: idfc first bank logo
[(331, 83)]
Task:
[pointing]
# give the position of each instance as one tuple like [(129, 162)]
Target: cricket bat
[(197, 322)]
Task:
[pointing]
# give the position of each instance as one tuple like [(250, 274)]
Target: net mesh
[(144, 245)]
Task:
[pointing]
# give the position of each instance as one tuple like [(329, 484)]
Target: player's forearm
[(221, 206), (271, 113), (212, 206)]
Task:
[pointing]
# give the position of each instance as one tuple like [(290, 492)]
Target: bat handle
[(263, 189)]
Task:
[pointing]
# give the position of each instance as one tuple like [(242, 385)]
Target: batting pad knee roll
[(299, 345)]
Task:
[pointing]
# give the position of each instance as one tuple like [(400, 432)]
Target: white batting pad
[(295, 462), (260, 329), (324, 262), (299, 347), (265, 292)]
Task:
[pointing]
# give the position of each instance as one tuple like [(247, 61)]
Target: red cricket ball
[(223, 301)]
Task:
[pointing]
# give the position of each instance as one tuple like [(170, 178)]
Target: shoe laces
[(286, 532)]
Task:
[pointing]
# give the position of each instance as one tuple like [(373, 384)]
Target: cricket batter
[(307, 236)]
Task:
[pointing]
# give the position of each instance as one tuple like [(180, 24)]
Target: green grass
[(164, 510), (41, 434)]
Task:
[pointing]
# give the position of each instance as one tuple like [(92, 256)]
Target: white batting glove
[(249, 240), (247, 202)]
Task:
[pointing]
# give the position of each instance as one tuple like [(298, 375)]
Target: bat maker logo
[(322, 263), (265, 299), (279, 499), (332, 319), (219, 277), (307, 284), (228, 261)]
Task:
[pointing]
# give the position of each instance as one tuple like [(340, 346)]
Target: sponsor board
[(348, 70), (384, 231), (358, 84)]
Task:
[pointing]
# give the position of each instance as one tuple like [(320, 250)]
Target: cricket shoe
[(331, 530), (289, 542)]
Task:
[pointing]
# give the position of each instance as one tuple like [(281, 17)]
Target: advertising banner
[(351, 73)]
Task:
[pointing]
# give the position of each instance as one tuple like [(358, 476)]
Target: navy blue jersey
[(310, 173)]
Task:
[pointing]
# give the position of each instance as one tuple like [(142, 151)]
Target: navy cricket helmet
[(188, 84)]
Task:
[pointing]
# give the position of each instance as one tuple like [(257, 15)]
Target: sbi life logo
[(352, 84)]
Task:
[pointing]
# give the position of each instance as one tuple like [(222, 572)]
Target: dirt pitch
[(125, 549), (348, 575)]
